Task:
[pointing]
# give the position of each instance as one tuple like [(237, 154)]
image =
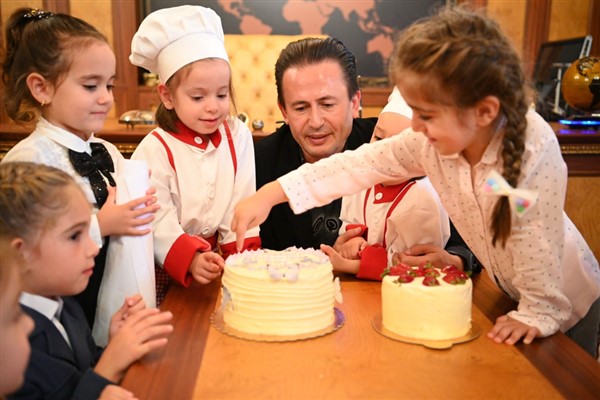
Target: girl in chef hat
[(201, 156)]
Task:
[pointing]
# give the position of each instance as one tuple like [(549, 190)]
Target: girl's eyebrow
[(75, 226), (96, 76)]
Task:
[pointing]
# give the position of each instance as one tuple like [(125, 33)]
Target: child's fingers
[(133, 300), (136, 231), (147, 209), (203, 276), (141, 221), (135, 318), (152, 345)]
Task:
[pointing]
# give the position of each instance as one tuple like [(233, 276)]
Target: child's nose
[(106, 97), (93, 248), (417, 125), (211, 105)]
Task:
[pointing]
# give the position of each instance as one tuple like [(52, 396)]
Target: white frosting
[(417, 311), (288, 292)]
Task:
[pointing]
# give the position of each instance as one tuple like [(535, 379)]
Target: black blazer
[(55, 371), (278, 154)]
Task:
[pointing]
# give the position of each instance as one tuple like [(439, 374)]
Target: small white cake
[(416, 304), (280, 293)]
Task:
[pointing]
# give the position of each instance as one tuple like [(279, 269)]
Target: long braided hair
[(465, 57)]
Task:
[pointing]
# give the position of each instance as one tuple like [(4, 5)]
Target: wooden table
[(356, 361)]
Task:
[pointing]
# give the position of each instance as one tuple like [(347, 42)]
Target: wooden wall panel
[(568, 19), (511, 17), (583, 208)]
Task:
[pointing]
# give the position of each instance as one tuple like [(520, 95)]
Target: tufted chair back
[(252, 59)]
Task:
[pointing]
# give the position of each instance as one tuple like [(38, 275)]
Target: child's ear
[(19, 245), (165, 96), (40, 88), (487, 110)]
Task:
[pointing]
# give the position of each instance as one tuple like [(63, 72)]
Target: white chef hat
[(171, 38), (396, 104)]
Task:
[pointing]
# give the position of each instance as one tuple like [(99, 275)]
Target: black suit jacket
[(278, 154), (55, 371)]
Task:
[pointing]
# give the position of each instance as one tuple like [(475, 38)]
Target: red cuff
[(373, 261), (180, 255), (363, 233), (251, 243)]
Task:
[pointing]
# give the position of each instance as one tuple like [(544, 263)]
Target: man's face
[(317, 108)]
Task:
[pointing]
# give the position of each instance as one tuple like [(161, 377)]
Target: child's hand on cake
[(340, 263), (509, 331), (206, 266), (427, 253)]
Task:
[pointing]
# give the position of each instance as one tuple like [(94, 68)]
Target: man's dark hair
[(312, 51)]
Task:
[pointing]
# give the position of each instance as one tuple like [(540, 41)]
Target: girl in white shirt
[(59, 71), (471, 120)]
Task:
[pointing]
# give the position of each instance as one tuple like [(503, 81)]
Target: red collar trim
[(387, 194), (195, 139)]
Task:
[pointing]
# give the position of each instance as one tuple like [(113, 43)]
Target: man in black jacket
[(318, 94), (319, 98)]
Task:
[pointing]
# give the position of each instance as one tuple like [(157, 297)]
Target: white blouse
[(48, 144), (544, 247)]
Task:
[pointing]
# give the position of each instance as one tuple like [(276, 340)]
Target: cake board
[(473, 333)]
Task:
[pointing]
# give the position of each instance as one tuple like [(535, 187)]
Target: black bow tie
[(94, 166)]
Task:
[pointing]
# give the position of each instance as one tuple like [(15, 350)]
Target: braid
[(513, 146)]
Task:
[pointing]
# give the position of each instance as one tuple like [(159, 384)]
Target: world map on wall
[(367, 27)]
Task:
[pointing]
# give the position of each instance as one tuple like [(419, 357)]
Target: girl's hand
[(124, 219), (254, 210), (114, 392), (340, 263), (142, 332), (349, 244), (151, 192), (130, 306), (510, 330), (206, 266), (423, 253)]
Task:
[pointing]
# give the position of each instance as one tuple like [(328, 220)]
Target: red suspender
[(397, 200), (231, 148), (169, 154)]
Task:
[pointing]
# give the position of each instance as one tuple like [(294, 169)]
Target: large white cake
[(412, 309), (282, 293)]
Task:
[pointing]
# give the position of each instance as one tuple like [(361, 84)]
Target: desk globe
[(581, 85)]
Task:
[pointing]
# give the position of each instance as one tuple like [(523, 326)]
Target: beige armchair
[(252, 59)]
